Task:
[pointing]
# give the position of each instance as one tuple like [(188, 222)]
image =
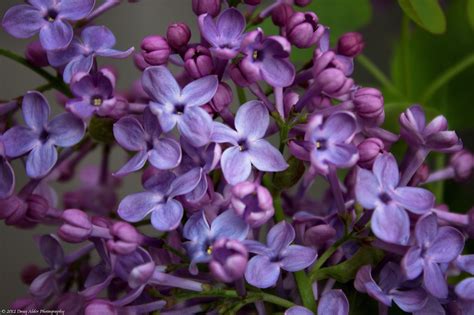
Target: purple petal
[(114, 53), (199, 191), (51, 251), (390, 276), (412, 263), (363, 276), (200, 91), (35, 110), (298, 310), (252, 120), (160, 182), (41, 160), (447, 245), (196, 227), (261, 272), (43, 285), (376, 292), (297, 257), (465, 289), (426, 229), (81, 109), (266, 157), (434, 280), (159, 83), (167, 120), (75, 10), (257, 247), (185, 183), (386, 170), (59, 58), (167, 216), (431, 307), (135, 207), (280, 236), (7, 179), (341, 155), (98, 37), (229, 225), (230, 24), (42, 4), (129, 133), (391, 224), (56, 35), (134, 164), (333, 302), (208, 29), (66, 130), (367, 188), (224, 134), (340, 127), (76, 65), (236, 165), (411, 300), (18, 140), (151, 124), (277, 72), (23, 21), (196, 126), (166, 154), (466, 263), (414, 199)]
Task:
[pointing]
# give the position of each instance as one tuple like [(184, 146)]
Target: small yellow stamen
[(255, 54), (209, 250), (50, 19), (97, 101), (318, 144)]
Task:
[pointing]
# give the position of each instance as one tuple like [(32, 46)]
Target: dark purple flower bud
[(155, 50), (462, 163), (420, 176), (281, 14), (350, 44), (223, 97), (100, 307), (125, 240), (289, 101), (304, 29), (333, 82), (252, 202), (318, 235), (12, 210), (369, 150), (37, 207), (211, 7), (368, 104), (29, 273), (140, 62), (252, 2), (76, 227), (198, 62), (238, 76), (302, 3), (36, 54), (178, 35), (229, 260)]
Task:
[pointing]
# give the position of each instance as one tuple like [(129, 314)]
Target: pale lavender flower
[(229, 260), (252, 202), (332, 302), (465, 288)]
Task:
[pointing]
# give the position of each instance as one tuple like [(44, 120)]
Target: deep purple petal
[(229, 225), (410, 300), (434, 280), (230, 24), (66, 130), (167, 216), (280, 236), (257, 247), (23, 21), (447, 245), (252, 120), (414, 199), (376, 292), (18, 140), (7, 179), (196, 126), (160, 181), (363, 276), (51, 251), (386, 170), (41, 160), (76, 65), (297, 257), (196, 227), (261, 272), (35, 110), (159, 84), (57, 58), (277, 72), (43, 285), (98, 37), (236, 165), (340, 127), (426, 229), (266, 157), (224, 134), (412, 263), (298, 310), (466, 263), (135, 207), (200, 91), (465, 289), (333, 302), (129, 133), (367, 189), (81, 109), (75, 10), (56, 35), (341, 155), (134, 164), (431, 307), (391, 224), (185, 183), (166, 154), (199, 191), (390, 276)]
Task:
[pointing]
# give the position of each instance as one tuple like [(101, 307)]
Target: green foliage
[(291, 175), (426, 13), (470, 12), (101, 129)]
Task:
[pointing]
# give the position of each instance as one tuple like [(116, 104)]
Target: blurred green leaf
[(470, 12), (426, 13), (101, 129), (291, 175)]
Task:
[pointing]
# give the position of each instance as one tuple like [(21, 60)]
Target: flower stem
[(279, 213), (328, 253), (378, 74), (305, 289)]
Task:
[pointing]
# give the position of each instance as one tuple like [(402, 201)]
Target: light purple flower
[(263, 269), (159, 199), (434, 247), (40, 137), (252, 202), (7, 176), (142, 135), (48, 18), (247, 144), (379, 190), (333, 302), (174, 105), (229, 260), (225, 34), (79, 55), (201, 236), (465, 288)]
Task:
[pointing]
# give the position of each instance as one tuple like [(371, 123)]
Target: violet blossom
[(7, 176), (332, 302)]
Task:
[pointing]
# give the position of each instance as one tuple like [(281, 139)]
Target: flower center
[(385, 198), (51, 15), (96, 101), (242, 145), (309, 19), (179, 109), (257, 55), (44, 135), (209, 250), (321, 144)]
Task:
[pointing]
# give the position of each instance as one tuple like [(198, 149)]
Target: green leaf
[(347, 270), (426, 13), (470, 12), (101, 129), (291, 175)]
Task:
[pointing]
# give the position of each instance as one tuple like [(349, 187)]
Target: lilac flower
[(7, 176), (201, 236), (79, 55), (333, 302), (379, 190), (267, 58), (465, 288), (330, 142), (174, 105), (434, 247), (41, 137), (252, 202), (166, 212), (247, 144), (229, 260), (390, 288), (143, 135), (263, 269), (224, 35), (49, 18)]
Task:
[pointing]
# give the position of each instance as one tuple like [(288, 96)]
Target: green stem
[(327, 254), (378, 74), (58, 84), (447, 76), (279, 213), (241, 95), (305, 289)]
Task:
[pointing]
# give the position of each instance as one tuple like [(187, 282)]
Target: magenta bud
[(350, 44), (155, 50), (37, 207), (36, 54), (304, 29), (368, 104), (229, 260), (140, 62), (29, 273), (178, 35), (333, 82), (302, 3), (420, 175), (252, 2), (281, 14), (13, 210), (125, 240), (211, 7), (369, 149), (239, 77), (252, 202), (223, 97), (462, 163), (318, 235), (76, 227), (198, 62), (100, 307)]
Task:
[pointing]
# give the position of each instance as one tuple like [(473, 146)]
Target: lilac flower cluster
[(227, 181)]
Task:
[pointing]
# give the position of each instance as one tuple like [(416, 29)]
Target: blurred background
[(410, 56)]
